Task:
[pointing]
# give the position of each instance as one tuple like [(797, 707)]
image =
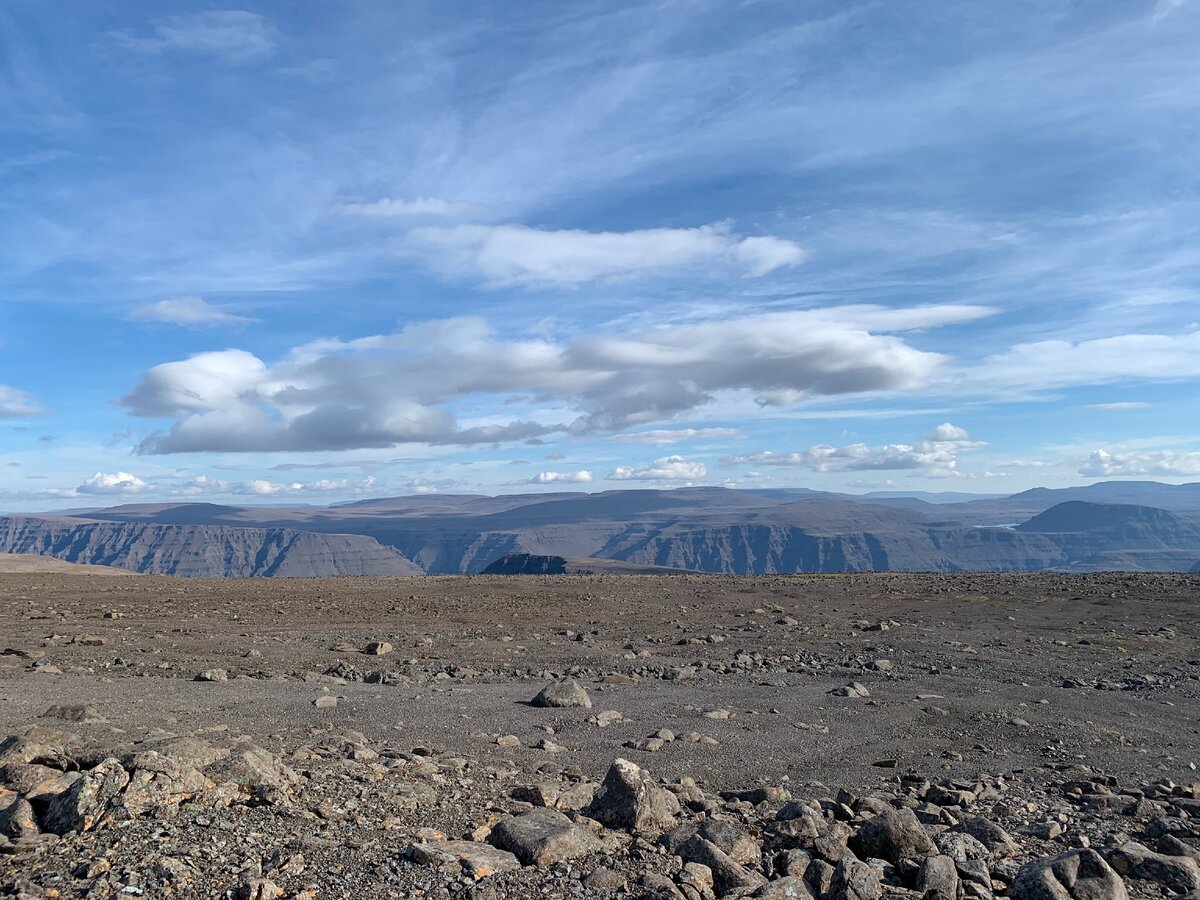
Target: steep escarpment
[(202, 551), (1111, 536)]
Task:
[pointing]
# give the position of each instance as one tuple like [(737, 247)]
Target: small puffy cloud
[(15, 404), (422, 207), (233, 35), (1120, 406), (936, 454), (668, 468), (662, 436), (187, 312), (1102, 463), (520, 255), (384, 390), (112, 483), (583, 476)]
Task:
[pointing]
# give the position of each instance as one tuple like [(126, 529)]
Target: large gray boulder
[(892, 835), (561, 694), (542, 837), (1075, 875), (629, 799)]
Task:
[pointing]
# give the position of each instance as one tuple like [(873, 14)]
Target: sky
[(303, 253)]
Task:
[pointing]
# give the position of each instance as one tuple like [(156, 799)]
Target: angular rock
[(542, 837), (83, 805), (728, 875), (1075, 875), (1134, 860), (939, 875), (629, 799), (991, 835), (790, 887), (476, 859), (17, 820), (854, 880), (563, 694), (892, 835)]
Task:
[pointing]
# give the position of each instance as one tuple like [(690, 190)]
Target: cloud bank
[(935, 454), (400, 388)]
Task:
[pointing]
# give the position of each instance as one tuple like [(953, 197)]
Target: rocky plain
[(822, 737)]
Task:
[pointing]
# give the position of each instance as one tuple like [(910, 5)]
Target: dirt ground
[(980, 673)]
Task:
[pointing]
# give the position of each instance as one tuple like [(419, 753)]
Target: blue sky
[(307, 252)]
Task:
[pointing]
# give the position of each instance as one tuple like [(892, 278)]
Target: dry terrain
[(832, 736)]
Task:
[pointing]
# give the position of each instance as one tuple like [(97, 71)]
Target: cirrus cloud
[(520, 255)]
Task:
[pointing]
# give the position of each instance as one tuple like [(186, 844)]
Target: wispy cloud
[(518, 254), (421, 207), (1121, 406), (17, 404), (188, 312), (663, 436), (236, 36)]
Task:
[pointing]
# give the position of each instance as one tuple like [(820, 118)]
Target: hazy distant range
[(1130, 526)]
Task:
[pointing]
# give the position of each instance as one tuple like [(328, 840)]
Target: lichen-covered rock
[(854, 880), (1134, 860), (475, 859), (83, 806)]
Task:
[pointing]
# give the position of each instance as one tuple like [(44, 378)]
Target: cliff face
[(202, 551)]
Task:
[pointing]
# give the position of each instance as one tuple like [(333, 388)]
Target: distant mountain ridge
[(747, 531), (201, 551)]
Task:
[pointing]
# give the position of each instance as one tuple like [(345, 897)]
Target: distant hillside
[(201, 551), (747, 532), (1097, 536)]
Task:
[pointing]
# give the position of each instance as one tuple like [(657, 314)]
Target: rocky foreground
[(216, 815), (832, 738)]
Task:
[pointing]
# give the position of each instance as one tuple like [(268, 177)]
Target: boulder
[(1134, 860), (542, 837), (939, 875), (629, 799), (82, 806), (565, 693), (1075, 875), (475, 859), (728, 875), (892, 835), (854, 880)]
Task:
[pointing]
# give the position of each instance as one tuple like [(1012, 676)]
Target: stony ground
[(834, 737)]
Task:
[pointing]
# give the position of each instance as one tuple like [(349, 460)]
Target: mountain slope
[(1098, 536), (201, 551)]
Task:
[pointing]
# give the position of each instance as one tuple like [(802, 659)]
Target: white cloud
[(234, 35), (936, 454), (583, 476), (518, 254), (1061, 363), (428, 207), (668, 468), (15, 404), (112, 483), (1120, 406), (663, 436), (392, 389), (187, 312), (1101, 463)]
